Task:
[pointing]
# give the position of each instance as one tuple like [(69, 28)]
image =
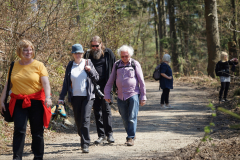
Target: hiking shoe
[(85, 150), (130, 142), (99, 140), (62, 111), (53, 109), (133, 139), (110, 139)]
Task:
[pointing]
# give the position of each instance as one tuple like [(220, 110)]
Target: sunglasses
[(95, 45), (78, 53)]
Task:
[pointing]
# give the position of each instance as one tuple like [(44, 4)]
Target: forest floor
[(161, 133)]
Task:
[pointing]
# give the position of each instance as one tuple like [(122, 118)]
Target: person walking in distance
[(130, 88), (223, 71), (166, 80), (103, 60)]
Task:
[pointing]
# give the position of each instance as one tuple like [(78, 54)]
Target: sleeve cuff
[(143, 98)]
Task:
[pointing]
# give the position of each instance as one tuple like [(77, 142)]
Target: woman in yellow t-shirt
[(30, 99)]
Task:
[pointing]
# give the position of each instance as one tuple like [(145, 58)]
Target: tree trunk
[(173, 35), (156, 31), (213, 43), (160, 28), (138, 35), (164, 18), (234, 21)]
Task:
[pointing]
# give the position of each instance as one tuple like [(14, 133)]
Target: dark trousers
[(103, 115), (165, 96), (224, 87), (20, 118), (82, 113)]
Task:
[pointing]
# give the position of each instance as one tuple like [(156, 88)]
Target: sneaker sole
[(99, 142), (85, 151), (111, 141), (128, 144)]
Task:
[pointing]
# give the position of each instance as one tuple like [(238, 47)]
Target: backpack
[(117, 67), (156, 73), (132, 65)]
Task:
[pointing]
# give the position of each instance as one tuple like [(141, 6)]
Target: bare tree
[(234, 21), (213, 43), (156, 30), (173, 35), (160, 26)]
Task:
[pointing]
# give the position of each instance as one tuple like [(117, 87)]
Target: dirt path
[(159, 131)]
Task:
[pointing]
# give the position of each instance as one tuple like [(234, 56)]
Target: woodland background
[(193, 32)]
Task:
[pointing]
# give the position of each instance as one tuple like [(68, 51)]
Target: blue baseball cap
[(77, 48)]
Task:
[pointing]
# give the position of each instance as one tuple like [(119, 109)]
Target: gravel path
[(159, 131)]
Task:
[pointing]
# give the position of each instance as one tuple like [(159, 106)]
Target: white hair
[(125, 48), (166, 57)]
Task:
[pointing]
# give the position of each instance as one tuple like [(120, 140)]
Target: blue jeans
[(128, 110)]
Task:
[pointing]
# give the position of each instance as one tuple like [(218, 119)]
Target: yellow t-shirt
[(26, 79)]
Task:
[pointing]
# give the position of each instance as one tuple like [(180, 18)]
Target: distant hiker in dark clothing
[(166, 80), (222, 70), (103, 60)]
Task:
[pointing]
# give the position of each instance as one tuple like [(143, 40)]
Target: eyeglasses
[(124, 56), (26, 50)]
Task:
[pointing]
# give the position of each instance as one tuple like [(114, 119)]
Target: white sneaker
[(168, 106), (162, 106)]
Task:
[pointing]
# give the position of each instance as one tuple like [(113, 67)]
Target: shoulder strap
[(9, 81), (117, 64), (132, 65), (86, 63), (87, 54)]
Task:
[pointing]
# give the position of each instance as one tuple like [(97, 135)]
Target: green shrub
[(237, 92)]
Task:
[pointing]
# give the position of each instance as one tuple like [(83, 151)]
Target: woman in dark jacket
[(166, 80), (78, 83), (222, 70)]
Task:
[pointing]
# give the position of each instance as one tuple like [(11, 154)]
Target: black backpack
[(156, 73), (132, 65)]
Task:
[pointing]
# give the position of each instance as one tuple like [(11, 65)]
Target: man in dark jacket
[(103, 60)]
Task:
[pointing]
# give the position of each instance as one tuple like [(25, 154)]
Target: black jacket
[(92, 76), (222, 68), (110, 60)]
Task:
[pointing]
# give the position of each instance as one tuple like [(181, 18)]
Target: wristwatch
[(49, 97)]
